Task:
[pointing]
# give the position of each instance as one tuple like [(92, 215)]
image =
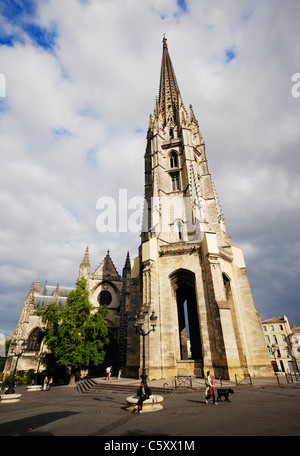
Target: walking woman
[(209, 390)]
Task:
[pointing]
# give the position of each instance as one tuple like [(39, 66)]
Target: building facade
[(294, 339), (187, 269), (280, 344), (105, 285)]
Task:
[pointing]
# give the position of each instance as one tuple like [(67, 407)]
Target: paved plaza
[(262, 409)]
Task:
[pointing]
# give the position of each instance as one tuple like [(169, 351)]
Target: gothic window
[(173, 160), (228, 290), (178, 229), (104, 298), (35, 340), (175, 181)]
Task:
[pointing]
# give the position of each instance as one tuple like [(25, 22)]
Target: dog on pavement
[(224, 393)]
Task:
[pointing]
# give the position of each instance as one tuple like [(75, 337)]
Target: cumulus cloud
[(81, 80)]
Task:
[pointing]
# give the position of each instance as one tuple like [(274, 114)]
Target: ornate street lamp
[(13, 347), (274, 348), (138, 323)]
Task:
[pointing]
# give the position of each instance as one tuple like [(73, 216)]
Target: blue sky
[(230, 54), (81, 79), (21, 15)]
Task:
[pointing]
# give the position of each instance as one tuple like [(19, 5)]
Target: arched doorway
[(183, 282), (112, 356)]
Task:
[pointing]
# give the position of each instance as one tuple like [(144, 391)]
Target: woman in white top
[(210, 389)]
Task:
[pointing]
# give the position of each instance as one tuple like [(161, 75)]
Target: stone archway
[(183, 283)]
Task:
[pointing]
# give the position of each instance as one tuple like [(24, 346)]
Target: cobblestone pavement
[(263, 409)]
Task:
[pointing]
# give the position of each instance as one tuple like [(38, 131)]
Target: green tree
[(77, 334)]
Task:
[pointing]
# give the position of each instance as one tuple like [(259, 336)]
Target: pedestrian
[(107, 373), (110, 372), (45, 384), (119, 374), (210, 389), (144, 392)]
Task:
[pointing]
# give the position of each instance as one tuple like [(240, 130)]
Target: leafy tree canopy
[(77, 334)]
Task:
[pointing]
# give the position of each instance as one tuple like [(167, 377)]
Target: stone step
[(85, 385), (91, 387)]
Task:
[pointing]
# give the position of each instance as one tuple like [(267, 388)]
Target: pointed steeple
[(169, 93), (37, 287), (85, 267), (127, 265), (192, 116), (86, 258), (107, 269)]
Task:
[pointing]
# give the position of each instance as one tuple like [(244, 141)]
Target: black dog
[(224, 393)]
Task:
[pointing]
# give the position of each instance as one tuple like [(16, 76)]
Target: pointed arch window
[(178, 229), (228, 291), (173, 160), (175, 181), (35, 340)]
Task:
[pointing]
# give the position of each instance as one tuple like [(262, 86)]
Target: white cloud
[(73, 128)]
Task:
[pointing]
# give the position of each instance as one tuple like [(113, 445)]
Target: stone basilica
[(187, 269)]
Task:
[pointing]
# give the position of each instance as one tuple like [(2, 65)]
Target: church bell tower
[(189, 272)]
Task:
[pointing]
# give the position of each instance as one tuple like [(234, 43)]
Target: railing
[(181, 381), (289, 377), (246, 378)]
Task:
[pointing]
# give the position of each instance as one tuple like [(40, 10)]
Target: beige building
[(294, 339), (277, 333), (187, 270)]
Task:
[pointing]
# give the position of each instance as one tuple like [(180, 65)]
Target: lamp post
[(13, 347), (273, 348), (138, 323)]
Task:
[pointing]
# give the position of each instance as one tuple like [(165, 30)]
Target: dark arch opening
[(183, 282)]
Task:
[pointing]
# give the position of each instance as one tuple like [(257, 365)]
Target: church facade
[(187, 270)]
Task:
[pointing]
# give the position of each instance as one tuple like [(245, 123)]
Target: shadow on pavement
[(28, 425)]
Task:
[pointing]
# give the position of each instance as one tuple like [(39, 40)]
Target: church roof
[(50, 294), (295, 329), (274, 320), (107, 269)]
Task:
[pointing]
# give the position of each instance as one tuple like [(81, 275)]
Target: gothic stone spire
[(169, 93), (85, 267)]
